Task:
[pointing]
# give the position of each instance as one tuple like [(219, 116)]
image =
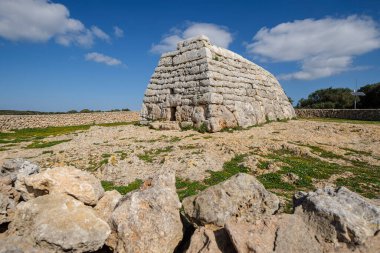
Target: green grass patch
[(188, 147), (45, 144), (30, 134), (47, 152), (358, 152), (201, 129), (174, 139), (106, 155), (187, 188), (322, 152), (122, 154), (273, 181), (123, 189), (230, 168), (365, 179), (263, 165), (150, 155), (117, 124)]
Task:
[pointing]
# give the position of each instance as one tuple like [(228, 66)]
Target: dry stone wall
[(203, 83), (356, 114), (8, 122)]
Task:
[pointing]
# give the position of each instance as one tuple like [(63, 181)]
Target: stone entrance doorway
[(173, 110)]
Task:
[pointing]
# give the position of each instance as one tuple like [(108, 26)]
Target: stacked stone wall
[(8, 122), (358, 114)]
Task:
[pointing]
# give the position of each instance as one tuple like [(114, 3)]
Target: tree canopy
[(371, 100), (335, 98)]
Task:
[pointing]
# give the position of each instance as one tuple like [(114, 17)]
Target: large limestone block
[(58, 223), (339, 214), (278, 233), (69, 180), (242, 196), (148, 220)]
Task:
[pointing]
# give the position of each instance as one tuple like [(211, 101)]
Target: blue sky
[(74, 54)]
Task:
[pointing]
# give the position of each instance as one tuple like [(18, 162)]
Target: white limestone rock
[(339, 215), (74, 182), (242, 196), (148, 220), (56, 223)]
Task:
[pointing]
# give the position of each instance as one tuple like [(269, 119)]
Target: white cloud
[(218, 35), (324, 47), (119, 33), (42, 20), (100, 33), (101, 58)]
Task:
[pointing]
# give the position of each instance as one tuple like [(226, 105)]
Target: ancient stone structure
[(205, 84)]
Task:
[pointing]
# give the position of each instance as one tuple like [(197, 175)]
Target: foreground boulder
[(278, 233), (242, 196), (18, 168), (69, 180), (55, 223), (9, 198), (339, 215), (148, 220), (10, 173)]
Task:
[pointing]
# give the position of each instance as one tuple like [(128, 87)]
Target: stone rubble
[(237, 215), (206, 84)]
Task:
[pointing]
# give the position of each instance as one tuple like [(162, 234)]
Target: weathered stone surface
[(199, 74), (339, 215), (107, 205), (148, 220), (18, 168), (208, 241), (69, 180), (9, 198), (242, 196), (58, 223), (278, 233), (165, 125), (20, 244), (12, 171)]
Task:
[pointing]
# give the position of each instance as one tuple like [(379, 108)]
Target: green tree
[(336, 98), (371, 100), (85, 111)]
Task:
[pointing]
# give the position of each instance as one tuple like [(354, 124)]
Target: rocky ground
[(65, 209), (286, 156)]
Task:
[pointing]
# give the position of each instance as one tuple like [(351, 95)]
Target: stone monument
[(202, 84)]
